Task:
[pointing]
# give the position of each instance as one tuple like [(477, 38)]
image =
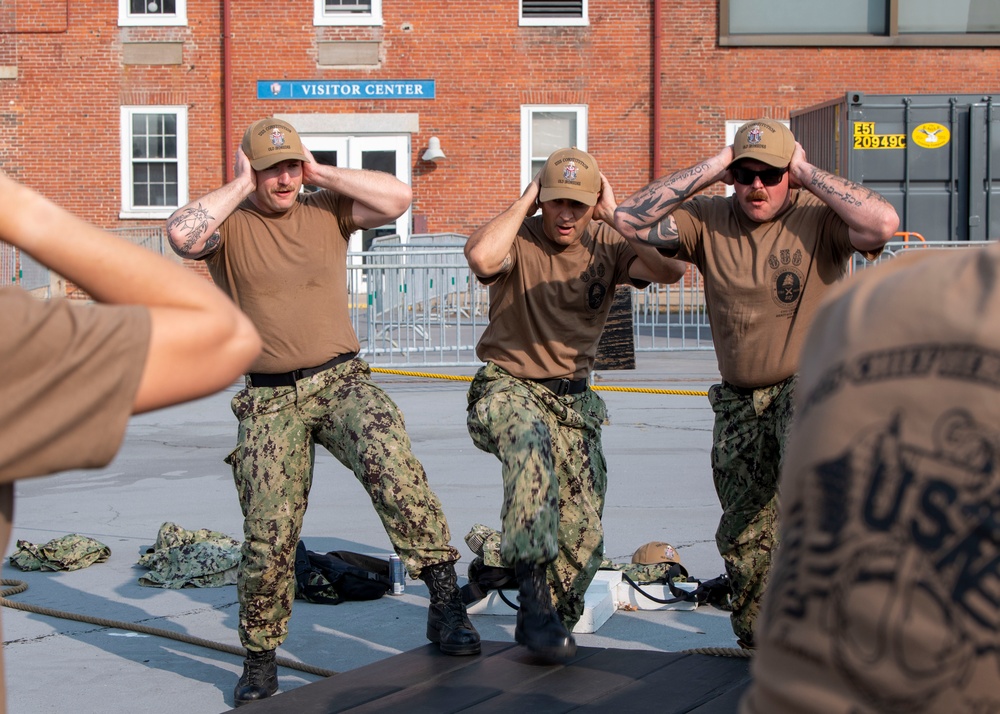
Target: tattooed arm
[(647, 214), (488, 248), (193, 230), (870, 218)]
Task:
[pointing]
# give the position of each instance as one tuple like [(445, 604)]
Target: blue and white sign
[(345, 89)]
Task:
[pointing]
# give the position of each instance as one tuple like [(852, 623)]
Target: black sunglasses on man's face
[(768, 177)]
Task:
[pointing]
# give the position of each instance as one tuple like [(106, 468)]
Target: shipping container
[(935, 157)]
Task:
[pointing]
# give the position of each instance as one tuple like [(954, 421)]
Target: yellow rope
[(639, 390)]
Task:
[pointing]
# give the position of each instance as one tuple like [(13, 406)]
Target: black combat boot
[(447, 622), (539, 627), (259, 680)]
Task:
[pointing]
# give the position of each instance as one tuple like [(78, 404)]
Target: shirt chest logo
[(786, 278)]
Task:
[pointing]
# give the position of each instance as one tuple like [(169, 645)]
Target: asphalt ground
[(170, 468)]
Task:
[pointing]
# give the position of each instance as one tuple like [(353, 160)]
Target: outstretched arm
[(488, 248), (200, 342), (647, 214), (379, 197), (193, 230), (870, 218)]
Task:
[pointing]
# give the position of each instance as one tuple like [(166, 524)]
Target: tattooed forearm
[(193, 223), (854, 194), (662, 197)]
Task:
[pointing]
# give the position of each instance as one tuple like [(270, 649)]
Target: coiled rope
[(460, 378), (13, 587)]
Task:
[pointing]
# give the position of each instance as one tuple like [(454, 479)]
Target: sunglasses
[(768, 177)]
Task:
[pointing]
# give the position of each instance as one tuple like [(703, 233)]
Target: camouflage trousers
[(554, 478), (748, 445), (355, 420)]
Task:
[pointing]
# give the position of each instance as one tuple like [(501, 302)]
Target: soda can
[(397, 574)]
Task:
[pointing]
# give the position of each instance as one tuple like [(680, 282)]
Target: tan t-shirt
[(548, 312), (288, 273), (763, 281), (71, 373), (885, 593)]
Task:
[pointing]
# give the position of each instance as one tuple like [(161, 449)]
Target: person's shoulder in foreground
[(884, 591)]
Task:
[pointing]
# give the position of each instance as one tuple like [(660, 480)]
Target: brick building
[(122, 111)]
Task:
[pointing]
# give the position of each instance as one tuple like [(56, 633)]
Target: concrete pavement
[(170, 469)]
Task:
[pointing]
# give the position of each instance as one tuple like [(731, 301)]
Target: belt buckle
[(563, 388)]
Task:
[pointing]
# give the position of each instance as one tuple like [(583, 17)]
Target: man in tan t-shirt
[(74, 373), (552, 280), (885, 593), (282, 256), (767, 255)]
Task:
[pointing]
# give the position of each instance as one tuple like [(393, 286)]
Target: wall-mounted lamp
[(433, 152)]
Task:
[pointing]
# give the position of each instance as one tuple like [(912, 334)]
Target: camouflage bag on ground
[(331, 578)]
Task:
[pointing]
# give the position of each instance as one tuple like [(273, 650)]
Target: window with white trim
[(553, 12), (546, 128), (971, 23), (347, 12), (165, 13), (154, 155)]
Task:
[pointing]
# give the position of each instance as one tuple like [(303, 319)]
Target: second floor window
[(347, 12), (152, 12), (553, 12)]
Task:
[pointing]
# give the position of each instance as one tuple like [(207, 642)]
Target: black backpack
[(339, 575)]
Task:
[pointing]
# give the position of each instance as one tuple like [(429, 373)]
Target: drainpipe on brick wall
[(227, 91), (657, 40)]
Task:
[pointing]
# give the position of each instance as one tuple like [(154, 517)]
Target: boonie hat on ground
[(656, 552), (765, 140), (572, 174), (270, 141)]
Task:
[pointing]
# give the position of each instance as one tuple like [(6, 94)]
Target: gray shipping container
[(935, 157)]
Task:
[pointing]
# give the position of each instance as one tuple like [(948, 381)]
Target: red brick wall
[(59, 122)]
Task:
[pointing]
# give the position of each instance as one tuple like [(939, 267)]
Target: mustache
[(757, 196)]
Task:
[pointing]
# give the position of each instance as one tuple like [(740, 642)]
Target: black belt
[(288, 379), (563, 386)]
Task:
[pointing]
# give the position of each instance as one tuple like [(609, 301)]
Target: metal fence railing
[(418, 304)]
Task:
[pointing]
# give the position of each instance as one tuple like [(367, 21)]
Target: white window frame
[(581, 21), (178, 19), (527, 114), (321, 17), (127, 209)]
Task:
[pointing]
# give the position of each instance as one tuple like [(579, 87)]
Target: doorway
[(390, 153)]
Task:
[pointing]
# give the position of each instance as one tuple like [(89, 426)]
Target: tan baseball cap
[(271, 140), (572, 174), (656, 552), (765, 140)]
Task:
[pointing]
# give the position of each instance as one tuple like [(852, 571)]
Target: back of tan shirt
[(885, 593)]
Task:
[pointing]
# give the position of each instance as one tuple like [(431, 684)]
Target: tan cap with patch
[(270, 141), (572, 174)]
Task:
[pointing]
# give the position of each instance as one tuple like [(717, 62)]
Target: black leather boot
[(539, 627), (447, 621), (259, 680)]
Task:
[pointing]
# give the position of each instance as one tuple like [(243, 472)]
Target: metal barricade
[(423, 306)]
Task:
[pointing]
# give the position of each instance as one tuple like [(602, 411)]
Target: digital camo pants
[(554, 478), (344, 411), (748, 445)]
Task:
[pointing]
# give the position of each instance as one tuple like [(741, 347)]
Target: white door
[(378, 153)]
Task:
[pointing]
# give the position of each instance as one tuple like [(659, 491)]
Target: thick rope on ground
[(13, 587), (459, 378)]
